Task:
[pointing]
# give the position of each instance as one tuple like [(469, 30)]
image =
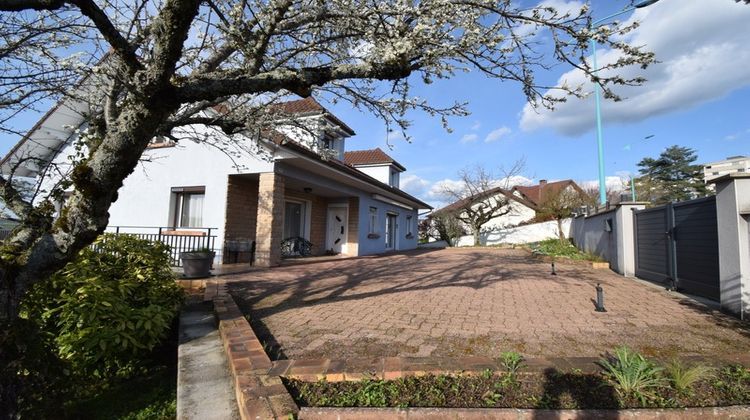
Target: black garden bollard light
[(600, 298), (553, 269)]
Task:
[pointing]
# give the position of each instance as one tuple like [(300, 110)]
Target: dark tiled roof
[(369, 157)]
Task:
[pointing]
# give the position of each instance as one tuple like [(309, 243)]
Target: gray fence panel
[(696, 238), (652, 245)]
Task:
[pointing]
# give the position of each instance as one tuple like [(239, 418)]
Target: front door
[(391, 228), (336, 235)]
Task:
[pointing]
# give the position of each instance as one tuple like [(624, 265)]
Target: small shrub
[(564, 249), (112, 304), (511, 361), (682, 377), (632, 375)]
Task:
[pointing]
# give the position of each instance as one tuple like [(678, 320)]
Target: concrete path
[(204, 386)]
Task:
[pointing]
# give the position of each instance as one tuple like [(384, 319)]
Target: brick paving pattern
[(471, 302)]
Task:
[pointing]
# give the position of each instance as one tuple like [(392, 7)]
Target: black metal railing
[(178, 239), (4, 233)]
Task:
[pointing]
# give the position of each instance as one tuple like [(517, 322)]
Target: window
[(394, 178), (294, 220), (188, 206), (329, 142), (373, 220), (409, 228)]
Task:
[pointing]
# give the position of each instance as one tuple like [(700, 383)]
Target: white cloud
[(414, 185), (702, 52), (614, 183), (497, 134), (469, 138), (476, 126)]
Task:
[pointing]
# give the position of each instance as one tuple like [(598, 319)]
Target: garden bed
[(552, 389)]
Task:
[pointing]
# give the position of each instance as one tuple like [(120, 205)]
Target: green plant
[(632, 375), (682, 377), (112, 304), (565, 249), (511, 361)]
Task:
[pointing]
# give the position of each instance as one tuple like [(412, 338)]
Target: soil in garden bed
[(552, 389)]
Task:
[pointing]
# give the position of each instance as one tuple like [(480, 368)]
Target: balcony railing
[(178, 239)]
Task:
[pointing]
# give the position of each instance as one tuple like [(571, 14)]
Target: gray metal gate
[(678, 245)]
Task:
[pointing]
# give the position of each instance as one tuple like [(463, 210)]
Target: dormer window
[(393, 181), (329, 142)]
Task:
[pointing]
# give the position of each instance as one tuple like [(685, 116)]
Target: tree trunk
[(35, 251), (477, 237), (560, 232)]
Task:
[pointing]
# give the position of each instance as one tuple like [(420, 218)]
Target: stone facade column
[(733, 216), (270, 220)]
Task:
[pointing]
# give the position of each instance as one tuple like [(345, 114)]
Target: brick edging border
[(258, 393)]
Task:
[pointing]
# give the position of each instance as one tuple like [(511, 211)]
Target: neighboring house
[(731, 165), (525, 202), (292, 182)]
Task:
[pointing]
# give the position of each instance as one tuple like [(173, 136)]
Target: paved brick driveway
[(458, 302)]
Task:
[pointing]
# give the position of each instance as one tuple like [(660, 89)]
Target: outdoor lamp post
[(597, 94)]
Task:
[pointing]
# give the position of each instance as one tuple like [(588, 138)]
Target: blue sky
[(697, 96)]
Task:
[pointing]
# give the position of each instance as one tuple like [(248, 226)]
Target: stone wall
[(270, 220), (241, 214)]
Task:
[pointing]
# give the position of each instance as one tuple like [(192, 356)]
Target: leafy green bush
[(632, 375), (110, 306)]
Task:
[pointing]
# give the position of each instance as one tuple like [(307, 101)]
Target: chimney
[(542, 182)]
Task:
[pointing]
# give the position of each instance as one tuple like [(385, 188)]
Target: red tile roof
[(369, 157), (531, 196), (538, 193), (309, 106)]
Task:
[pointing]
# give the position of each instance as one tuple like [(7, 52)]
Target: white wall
[(518, 235), (380, 172), (519, 213), (145, 197), (733, 216)]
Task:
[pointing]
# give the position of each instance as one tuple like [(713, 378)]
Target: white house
[(524, 202), (290, 183), (730, 165)]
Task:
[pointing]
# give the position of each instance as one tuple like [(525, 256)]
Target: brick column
[(270, 220)]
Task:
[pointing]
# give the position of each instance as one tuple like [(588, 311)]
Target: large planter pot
[(197, 264)]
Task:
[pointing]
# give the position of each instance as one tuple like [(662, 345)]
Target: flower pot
[(197, 264)]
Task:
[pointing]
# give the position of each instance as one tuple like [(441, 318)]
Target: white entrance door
[(336, 235), (391, 231)]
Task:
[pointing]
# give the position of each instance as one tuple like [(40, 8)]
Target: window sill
[(409, 236), (373, 236)]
